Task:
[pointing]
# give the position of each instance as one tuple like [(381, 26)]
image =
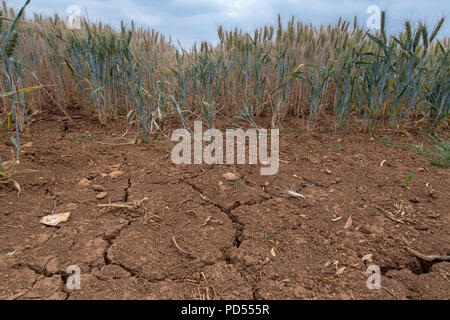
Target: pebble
[(414, 200), (84, 182), (116, 174), (101, 195), (230, 176), (300, 292), (98, 188)]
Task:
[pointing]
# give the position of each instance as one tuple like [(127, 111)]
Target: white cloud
[(196, 20)]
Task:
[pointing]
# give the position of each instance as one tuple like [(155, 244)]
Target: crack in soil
[(43, 272), (239, 229), (110, 239), (126, 191), (133, 272), (238, 225), (228, 211), (417, 267)]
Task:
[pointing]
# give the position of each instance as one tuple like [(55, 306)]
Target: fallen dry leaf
[(272, 252), (54, 219), (367, 257), (17, 186), (340, 270), (349, 222)]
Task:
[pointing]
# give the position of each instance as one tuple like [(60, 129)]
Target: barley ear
[(383, 25), (220, 33), (417, 37), (280, 28), (11, 43), (436, 30), (425, 36), (408, 31)]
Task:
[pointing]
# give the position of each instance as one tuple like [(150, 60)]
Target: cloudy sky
[(196, 20)]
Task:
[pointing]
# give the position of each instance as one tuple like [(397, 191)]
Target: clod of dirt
[(414, 200), (52, 266), (101, 195), (230, 176), (116, 174), (54, 219), (84, 182), (300, 292), (98, 188), (432, 194), (114, 167), (47, 289), (222, 187)]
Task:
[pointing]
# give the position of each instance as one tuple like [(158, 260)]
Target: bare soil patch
[(187, 233)]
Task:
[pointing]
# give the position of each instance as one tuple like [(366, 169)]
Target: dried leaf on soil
[(17, 186), (340, 270), (55, 219), (294, 194), (272, 252), (367, 257), (349, 222), (182, 251)]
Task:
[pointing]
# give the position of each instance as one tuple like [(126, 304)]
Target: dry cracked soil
[(162, 231)]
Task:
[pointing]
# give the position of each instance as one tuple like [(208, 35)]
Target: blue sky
[(197, 20)]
